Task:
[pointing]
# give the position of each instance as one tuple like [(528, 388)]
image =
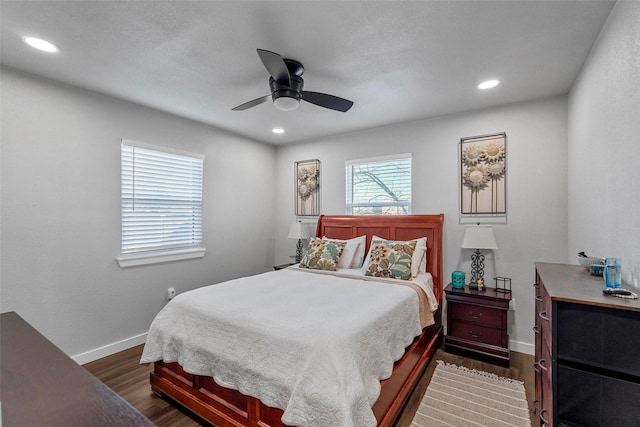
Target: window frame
[(165, 253), (350, 205)]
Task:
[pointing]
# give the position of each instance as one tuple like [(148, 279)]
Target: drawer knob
[(541, 363), (543, 419), (543, 315), (536, 329), (475, 316), (539, 298), (473, 334)]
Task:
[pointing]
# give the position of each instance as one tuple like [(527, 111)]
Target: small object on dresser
[(596, 269), (620, 293), (478, 285), (503, 284), (457, 279), (586, 260), (612, 273)]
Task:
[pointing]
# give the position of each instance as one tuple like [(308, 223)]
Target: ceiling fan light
[(286, 103)]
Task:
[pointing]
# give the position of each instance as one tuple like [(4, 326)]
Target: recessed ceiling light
[(277, 130), (488, 84), (40, 44)]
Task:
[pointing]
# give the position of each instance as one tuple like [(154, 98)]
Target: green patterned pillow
[(391, 259), (322, 254)]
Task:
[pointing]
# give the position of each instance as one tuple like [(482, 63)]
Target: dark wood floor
[(129, 379)]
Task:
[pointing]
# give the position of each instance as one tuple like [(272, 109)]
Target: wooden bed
[(224, 407)]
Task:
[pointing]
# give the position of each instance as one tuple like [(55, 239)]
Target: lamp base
[(477, 267), (299, 251)]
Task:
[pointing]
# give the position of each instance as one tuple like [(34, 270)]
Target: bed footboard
[(218, 405), (225, 407)]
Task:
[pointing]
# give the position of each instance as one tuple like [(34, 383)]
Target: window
[(379, 186), (161, 205)]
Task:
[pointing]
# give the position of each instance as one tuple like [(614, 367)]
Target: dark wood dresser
[(42, 386), (477, 324), (587, 351)]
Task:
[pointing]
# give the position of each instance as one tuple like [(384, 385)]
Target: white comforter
[(314, 345)]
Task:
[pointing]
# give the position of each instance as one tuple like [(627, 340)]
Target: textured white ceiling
[(397, 60)]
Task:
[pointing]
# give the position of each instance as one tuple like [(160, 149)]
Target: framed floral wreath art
[(483, 178), (307, 187)]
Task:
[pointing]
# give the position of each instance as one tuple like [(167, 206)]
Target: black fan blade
[(275, 66), (253, 103), (327, 101)]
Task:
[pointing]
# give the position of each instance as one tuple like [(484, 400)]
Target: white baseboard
[(109, 349), (522, 347)]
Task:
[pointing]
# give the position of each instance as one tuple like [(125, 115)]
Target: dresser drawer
[(595, 400), (476, 314), (477, 333), (599, 336)]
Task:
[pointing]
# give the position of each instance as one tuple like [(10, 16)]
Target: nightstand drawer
[(476, 314), (478, 333)]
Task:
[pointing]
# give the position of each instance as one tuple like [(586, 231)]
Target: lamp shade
[(299, 230), (479, 237)]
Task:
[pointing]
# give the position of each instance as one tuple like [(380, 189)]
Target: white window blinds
[(161, 199), (380, 186)]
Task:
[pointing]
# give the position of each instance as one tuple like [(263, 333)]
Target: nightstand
[(281, 266), (477, 324)]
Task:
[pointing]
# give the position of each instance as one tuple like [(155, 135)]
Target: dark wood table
[(42, 386)]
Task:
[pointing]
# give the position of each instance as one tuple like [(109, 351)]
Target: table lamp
[(299, 231), (478, 237)]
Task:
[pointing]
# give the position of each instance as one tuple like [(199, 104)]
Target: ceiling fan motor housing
[(292, 91)]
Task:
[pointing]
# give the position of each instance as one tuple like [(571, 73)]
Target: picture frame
[(307, 187), (483, 178)]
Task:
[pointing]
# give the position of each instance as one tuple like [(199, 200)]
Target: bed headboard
[(392, 227)]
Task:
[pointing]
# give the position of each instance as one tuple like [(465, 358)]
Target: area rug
[(457, 396)]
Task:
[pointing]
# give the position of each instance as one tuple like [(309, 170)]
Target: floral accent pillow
[(353, 252), (391, 259), (322, 254), (418, 260)]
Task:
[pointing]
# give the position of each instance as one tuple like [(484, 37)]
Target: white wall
[(536, 186), (61, 213), (604, 146)]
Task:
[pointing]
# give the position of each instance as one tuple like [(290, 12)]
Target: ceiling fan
[(286, 87)]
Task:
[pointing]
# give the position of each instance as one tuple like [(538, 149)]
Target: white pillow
[(358, 258), (353, 251), (418, 260)]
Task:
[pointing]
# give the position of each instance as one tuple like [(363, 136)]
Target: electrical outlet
[(171, 292)]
